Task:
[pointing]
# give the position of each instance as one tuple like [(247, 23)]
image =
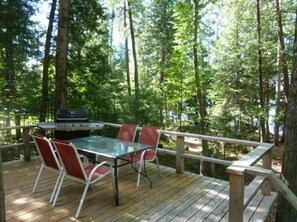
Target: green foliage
[(19, 46), (227, 59), (90, 81)]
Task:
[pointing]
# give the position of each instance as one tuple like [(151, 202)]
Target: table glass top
[(108, 147)]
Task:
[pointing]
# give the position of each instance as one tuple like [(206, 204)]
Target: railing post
[(26, 141), (267, 164), (236, 197), (180, 149)]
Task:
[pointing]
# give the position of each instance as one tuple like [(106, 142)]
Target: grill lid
[(72, 114)]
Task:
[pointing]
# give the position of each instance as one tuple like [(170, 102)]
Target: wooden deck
[(174, 197)]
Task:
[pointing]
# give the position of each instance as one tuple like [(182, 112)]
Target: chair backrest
[(127, 132), (70, 159), (150, 135), (46, 151)]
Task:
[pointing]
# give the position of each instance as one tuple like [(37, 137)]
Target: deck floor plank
[(128, 193), (173, 197), (162, 197), (199, 204), (177, 205)]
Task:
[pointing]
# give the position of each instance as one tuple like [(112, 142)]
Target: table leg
[(116, 184)]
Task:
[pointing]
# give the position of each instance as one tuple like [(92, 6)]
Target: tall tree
[(260, 74), (46, 61), (136, 76), (111, 34), (285, 212), (61, 54), (2, 194), (127, 52), (17, 46), (281, 41), (277, 103), (14, 32), (283, 69), (91, 83), (205, 168)]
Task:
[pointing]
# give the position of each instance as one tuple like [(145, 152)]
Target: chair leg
[(82, 200), (56, 186), (37, 179), (139, 172), (58, 189), (158, 165)]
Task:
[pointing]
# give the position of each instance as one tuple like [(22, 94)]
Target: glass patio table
[(110, 148)]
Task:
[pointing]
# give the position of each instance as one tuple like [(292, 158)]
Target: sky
[(42, 14)]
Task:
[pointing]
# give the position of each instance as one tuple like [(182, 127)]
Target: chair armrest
[(146, 151), (84, 160), (98, 166)]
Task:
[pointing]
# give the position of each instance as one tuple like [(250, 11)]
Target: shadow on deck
[(174, 197)]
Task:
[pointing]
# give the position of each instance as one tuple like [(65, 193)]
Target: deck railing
[(239, 194), (25, 140)]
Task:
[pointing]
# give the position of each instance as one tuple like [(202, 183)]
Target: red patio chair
[(74, 169), (149, 135), (49, 160), (127, 132)]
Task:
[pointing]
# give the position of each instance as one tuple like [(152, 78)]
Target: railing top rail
[(16, 127), (205, 137), (213, 138), (239, 166)]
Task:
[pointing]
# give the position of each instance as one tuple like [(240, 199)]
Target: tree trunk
[(46, 61), (17, 120), (111, 36), (136, 81), (205, 168), (162, 77), (9, 90), (127, 52), (2, 195), (10, 74), (282, 54), (285, 212), (277, 107), (260, 74), (61, 56)]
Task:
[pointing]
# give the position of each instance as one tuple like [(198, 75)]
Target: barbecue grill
[(71, 123)]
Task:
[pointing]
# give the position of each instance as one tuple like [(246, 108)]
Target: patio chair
[(127, 132), (74, 169), (49, 160), (149, 135)]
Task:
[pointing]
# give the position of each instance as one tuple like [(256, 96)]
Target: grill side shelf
[(71, 125)]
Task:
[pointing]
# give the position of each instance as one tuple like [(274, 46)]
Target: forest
[(213, 67), (219, 67)]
